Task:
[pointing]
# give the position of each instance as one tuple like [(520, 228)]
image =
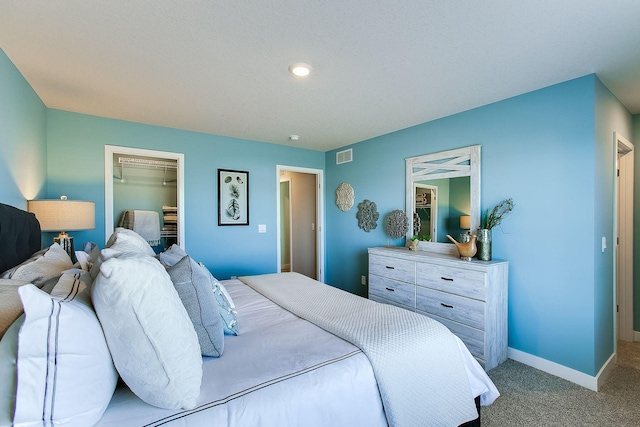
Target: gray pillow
[(171, 256), (197, 295)]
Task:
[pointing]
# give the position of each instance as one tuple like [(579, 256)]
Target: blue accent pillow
[(225, 307)]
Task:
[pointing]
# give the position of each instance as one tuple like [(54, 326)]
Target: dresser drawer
[(472, 338), (393, 290), (470, 283), (450, 306), (393, 268)]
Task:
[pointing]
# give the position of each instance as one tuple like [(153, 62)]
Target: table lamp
[(64, 215), (465, 222)]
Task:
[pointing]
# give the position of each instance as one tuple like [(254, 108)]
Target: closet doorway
[(300, 222), (140, 179)]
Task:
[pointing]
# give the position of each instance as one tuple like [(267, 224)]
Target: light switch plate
[(262, 228)]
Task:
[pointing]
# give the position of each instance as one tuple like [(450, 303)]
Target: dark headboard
[(19, 236)]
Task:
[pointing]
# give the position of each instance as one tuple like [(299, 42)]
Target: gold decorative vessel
[(466, 249)]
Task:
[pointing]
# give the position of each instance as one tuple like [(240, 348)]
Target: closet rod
[(130, 161)]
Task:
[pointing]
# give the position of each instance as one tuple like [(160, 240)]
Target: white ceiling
[(220, 66)]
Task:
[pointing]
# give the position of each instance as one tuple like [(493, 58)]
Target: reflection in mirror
[(447, 201), (443, 195)]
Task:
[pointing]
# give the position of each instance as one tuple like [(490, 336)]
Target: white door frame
[(109, 151), (289, 184), (623, 231), (319, 173), (433, 224)]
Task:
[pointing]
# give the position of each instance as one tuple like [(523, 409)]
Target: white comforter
[(280, 371), (417, 361)]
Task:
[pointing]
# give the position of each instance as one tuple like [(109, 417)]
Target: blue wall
[(75, 145), (611, 116), (23, 150), (539, 149)]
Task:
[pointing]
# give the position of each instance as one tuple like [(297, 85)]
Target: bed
[(287, 350)]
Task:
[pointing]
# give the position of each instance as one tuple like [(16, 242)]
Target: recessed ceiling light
[(300, 69)]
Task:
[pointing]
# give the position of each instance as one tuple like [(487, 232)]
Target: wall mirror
[(443, 197)]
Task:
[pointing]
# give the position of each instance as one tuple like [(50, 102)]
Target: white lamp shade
[(63, 215), (465, 222)]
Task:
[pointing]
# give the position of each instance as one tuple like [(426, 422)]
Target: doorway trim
[(623, 219), (319, 173), (109, 151), (286, 180)]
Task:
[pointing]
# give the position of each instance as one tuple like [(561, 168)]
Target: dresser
[(468, 297)]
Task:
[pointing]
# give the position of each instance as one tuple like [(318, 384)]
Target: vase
[(484, 244), (414, 245)]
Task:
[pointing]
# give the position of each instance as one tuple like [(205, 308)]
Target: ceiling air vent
[(344, 156)]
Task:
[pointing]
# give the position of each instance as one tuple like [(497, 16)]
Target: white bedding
[(281, 370), (416, 360)]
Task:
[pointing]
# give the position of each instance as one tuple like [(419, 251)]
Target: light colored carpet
[(530, 397)]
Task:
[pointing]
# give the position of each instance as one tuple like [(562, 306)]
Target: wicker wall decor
[(367, 215), (345, 196), (397, 224)]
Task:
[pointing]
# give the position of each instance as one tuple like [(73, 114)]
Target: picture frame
[(233, 197)]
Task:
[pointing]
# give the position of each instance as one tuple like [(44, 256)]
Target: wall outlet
[(363, 280)]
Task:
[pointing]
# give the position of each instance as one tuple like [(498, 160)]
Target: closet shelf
[(146, 163)]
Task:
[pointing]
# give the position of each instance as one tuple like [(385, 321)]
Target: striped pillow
[(65, 374)]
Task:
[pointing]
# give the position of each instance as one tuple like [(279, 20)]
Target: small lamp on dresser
[(465, 224), (64, 215)]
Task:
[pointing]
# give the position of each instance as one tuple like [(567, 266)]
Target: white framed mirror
[(443, 197)]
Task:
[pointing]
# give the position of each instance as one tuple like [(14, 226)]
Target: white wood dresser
[(469, 297)]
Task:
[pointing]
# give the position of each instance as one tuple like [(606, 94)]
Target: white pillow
[(125, 240), (65, 374), (8, 356), (84, 260), (152, 340), (54, 261)]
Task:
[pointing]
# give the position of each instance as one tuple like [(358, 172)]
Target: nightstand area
[(469, 297)]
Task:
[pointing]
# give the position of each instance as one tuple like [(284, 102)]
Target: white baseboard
[(636, 336), (569, 374)]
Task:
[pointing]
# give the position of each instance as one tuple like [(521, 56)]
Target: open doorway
[(624, 237), (300, 220)]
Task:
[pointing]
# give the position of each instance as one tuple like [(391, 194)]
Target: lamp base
[(66, 242)]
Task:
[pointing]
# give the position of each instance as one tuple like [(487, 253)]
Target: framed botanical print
[(233, 197)]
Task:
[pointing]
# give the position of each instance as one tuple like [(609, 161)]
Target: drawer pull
[(390, 268), (390, 289), (446, 305), (448, 279)]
